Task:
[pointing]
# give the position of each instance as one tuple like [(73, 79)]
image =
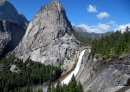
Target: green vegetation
[(30, 73), (83, 39), (112, 45), (72, 86), (89, 90)]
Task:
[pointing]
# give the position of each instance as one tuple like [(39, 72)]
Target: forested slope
[(18, 76), (114, 44)]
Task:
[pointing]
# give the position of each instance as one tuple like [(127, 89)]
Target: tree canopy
[(73, 86), (116, 43), (29, 73)]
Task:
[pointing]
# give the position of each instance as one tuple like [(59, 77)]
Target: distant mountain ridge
[(8, 12), (84, 32)]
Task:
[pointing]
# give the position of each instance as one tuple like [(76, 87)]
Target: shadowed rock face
[(11, 27), (8, 12), (48, 38), (10, 35)]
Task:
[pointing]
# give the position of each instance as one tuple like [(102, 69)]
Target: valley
[(51, 54)]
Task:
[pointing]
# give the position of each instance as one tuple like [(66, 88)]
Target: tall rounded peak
[(48, 38), (53, 15)]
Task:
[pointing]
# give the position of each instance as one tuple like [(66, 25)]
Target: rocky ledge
[(99, 75)]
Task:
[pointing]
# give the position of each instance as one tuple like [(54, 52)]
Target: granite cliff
[(100, 75), (48, 38)]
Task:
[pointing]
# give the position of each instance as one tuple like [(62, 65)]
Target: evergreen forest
[(72, 86), (25, 74), (84, 41), (115, 44)]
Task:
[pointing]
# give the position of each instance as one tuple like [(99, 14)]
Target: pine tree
[(73, 84), (79, 87), (40, 90), (53, 88), (58, 87), (49, 87)]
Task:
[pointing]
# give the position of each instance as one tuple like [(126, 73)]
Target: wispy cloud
[(91, 8), (103, 15), (100, 28), (113, 23), (84, 26), (103, 26)]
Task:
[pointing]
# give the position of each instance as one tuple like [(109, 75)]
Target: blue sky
[(94, 15)]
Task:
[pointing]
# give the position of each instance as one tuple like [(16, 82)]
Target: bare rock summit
[(48, 38)]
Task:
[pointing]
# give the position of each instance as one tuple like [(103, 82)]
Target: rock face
[(11, 27), (8, 12), (48, 38), (99, 75), (10, 35)]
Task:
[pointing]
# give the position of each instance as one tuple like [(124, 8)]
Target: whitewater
[(75, 71)]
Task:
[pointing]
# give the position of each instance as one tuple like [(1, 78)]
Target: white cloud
[(85, 26), (103, 26), (103, 15), (91, 8), (100, 28), (112, 23), (95, 30), (122, 27)]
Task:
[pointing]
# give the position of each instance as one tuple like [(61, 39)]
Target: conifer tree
[(49, 87)]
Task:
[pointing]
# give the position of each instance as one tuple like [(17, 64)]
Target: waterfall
[(75, 71)]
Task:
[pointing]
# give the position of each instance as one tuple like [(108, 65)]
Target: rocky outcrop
[(48, 38), (99, 75), (8, 12), (10, 35)]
